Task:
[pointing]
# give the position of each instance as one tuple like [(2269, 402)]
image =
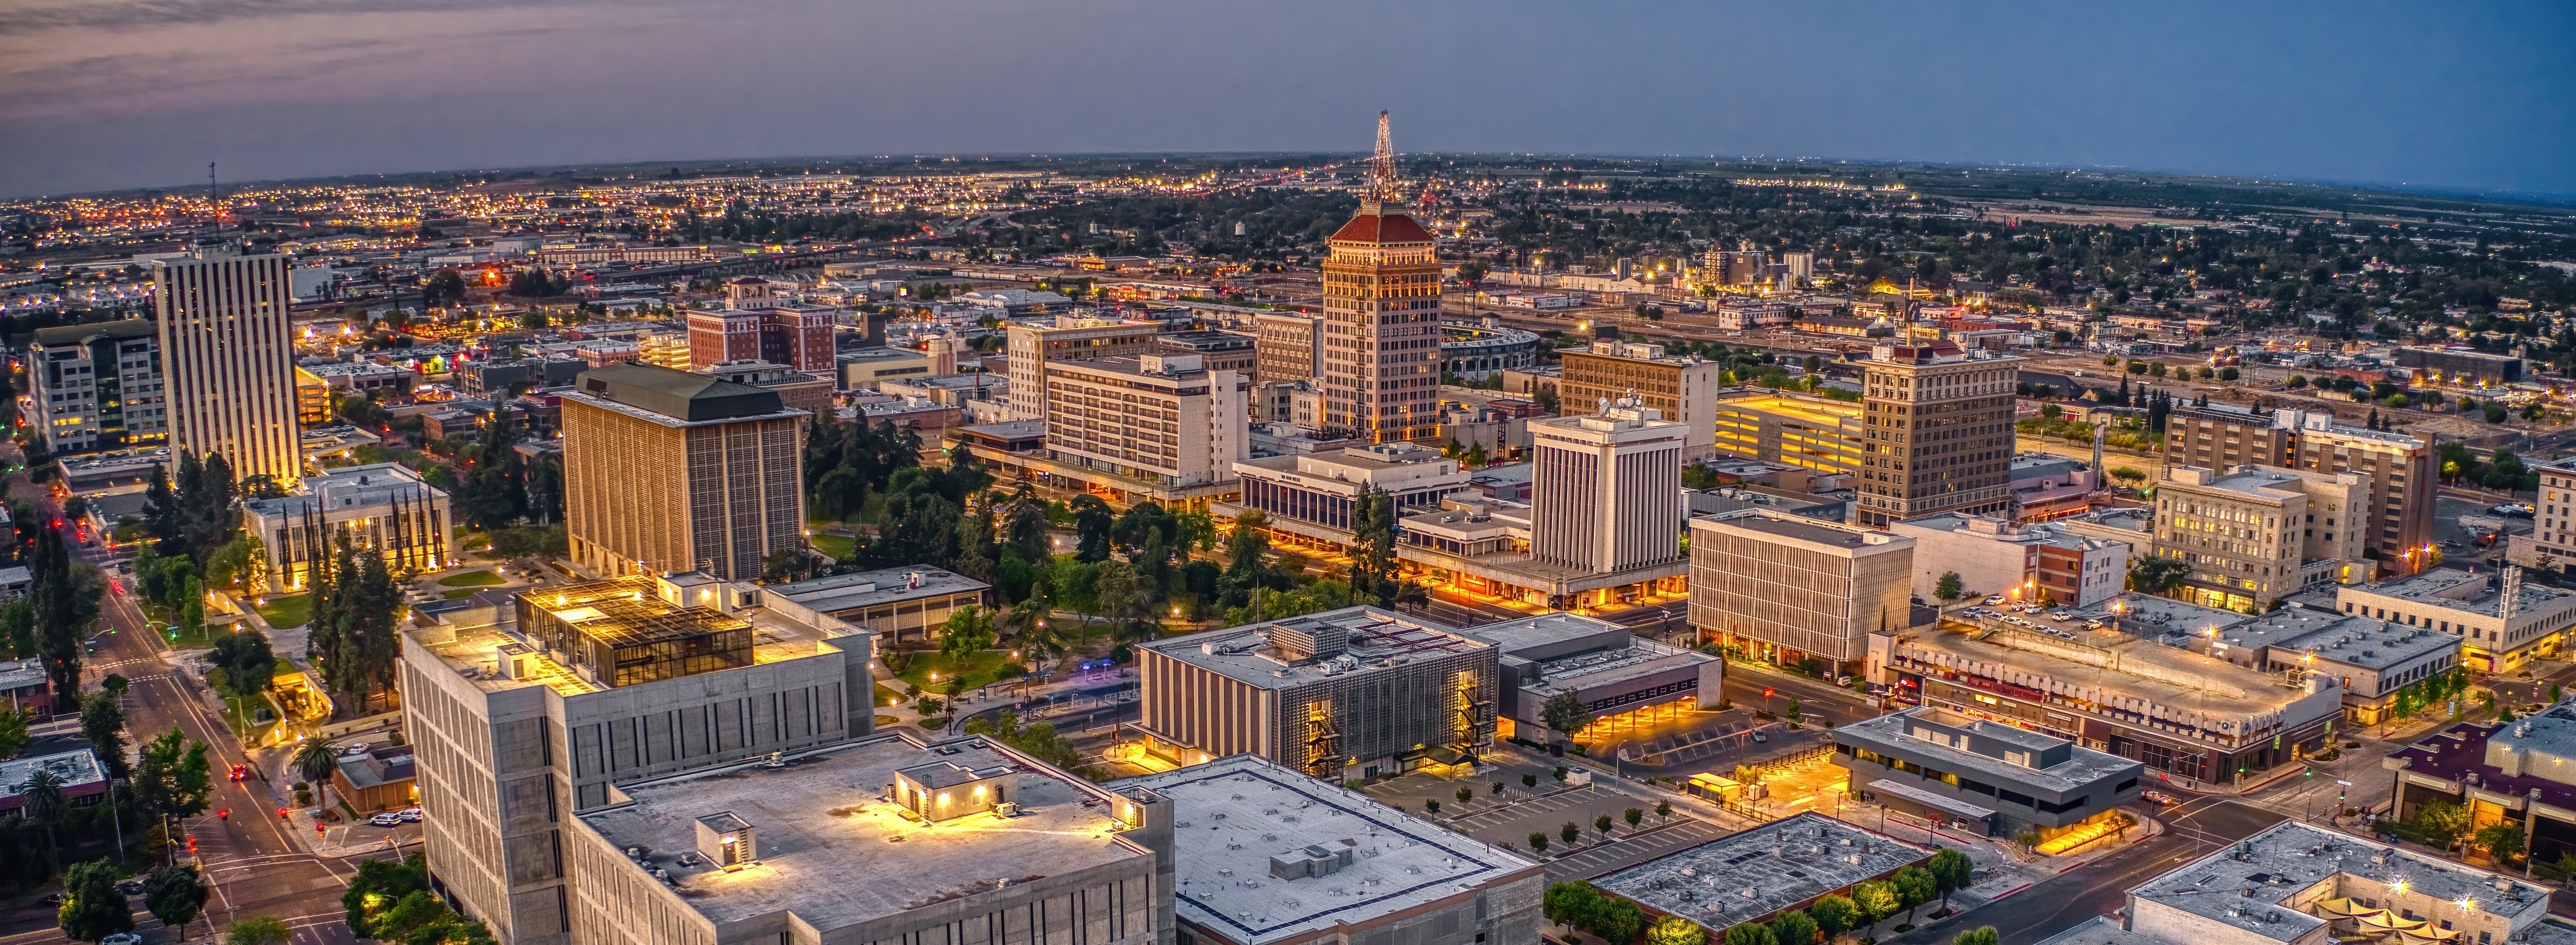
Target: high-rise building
[(720, 335), (1940, 433), (523, 725), (96, 387), (2399, 512), (1682, 389), (1288, 346), (1382, 318), (2254, 534), (228, 361), (1789, 588), (667, 471), (1034, 344), (1164, 419), (1604, 491)]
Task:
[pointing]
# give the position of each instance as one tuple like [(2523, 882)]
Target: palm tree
[(315, 761), (44, 802)]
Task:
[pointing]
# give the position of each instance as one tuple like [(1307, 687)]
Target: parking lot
[(1508, 819)]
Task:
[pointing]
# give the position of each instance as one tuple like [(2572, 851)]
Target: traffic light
[(1766, 692)]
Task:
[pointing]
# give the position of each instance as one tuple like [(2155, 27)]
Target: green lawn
[(838, 546), (978, 671), (291, 611), (472, 579), (887, 697)]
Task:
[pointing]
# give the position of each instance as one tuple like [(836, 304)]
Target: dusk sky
[(105, 94)]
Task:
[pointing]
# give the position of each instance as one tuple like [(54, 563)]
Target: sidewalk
[(2003, 867)]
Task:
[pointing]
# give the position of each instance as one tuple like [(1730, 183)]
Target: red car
[(240, 772)]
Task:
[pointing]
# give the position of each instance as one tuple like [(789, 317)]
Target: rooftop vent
[(1315, 860), (1309, 639), (726, 840)]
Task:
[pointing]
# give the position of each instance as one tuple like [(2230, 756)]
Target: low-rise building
[(382, 507), (1615, 677), (2035, 563), (1757, 874), (2048, 486), (2371, 659), (1330, 864), (375, 780), (1217, 350), (1790, 589), (1307, 498), (1998, 780), (2507, 772), (82, 778), (1344, 695), (2449, 600), (861, 368), (894, 603)]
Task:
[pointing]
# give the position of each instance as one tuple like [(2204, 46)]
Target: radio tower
[(1381, 172)]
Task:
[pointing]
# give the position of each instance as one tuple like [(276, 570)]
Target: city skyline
[(274, 91)]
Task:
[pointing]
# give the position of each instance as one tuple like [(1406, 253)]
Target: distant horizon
[(122, 94)]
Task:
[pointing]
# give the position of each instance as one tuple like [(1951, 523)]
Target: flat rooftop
[(2358, 641), (1749, 875), (2114, 663), (841, 593), (836, 850), (1816, 410), (2462, 591), (1232, 815), (1802, 529), (2243, 886), (626, 612), (2151, 614), (2082, 768), (1379, 639)]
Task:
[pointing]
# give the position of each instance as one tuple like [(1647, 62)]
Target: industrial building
[(884, 839), (1264, 855), (599, 684), (1345, 694), (1994, 779)]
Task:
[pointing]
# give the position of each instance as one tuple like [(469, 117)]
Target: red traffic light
[(1766, 692)]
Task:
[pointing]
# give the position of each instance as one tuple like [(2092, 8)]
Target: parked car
[(1761, 736), (354, 748), (121, 938), (2094, 625), (1995, 601), (2061, 615), (386, 819), (410, 815)]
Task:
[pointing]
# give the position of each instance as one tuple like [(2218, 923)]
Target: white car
[(386, 819), (2094, 625), (2061, 615), (1995, 601), (409, 815)]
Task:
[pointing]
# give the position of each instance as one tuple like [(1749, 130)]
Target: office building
[(520, 730), (1163, 421), (2552, 542), (2371, 659), (1755, 875), (1940, 434), (228, 359), (1683, 389), (756, 325), (1791, 589), (1219, 350), (2398, 519), (1622, 680), (2032, 563), (1288, 346), (2476, 606), (1306, 499), (1363, 871), (895, 604), (315, 402), (2512, 772), (2117, 689), (2300, 883), (1343, 695), (1818, 433), (886, 839), (1039, 342), (1382, 326), (2000, 780), (2254, 534), (1606, 496), (670, 471), (96, 387), (379, 507)]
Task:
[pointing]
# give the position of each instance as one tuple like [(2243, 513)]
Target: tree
[(175, 895), (1601, 824), (247, 661), (1038, 740), (63, 604), (45, 805), (257, 930), (1981, 935), (1751, 933), (1633, 816), (1834, 915), (314, 761), (92, 909), (1618, 920), (1953, 871), (173, 779), (1875, 901), (1570, 832), (1915, 886), (1794, 928), (2157, 575), (1565, 712), (1675, 930), (1949, 586), (2441, 823), (1092, 521), (1373, 565), (102, 722), (1538, 842), (2502, 841), (968, 630), (13, 733)]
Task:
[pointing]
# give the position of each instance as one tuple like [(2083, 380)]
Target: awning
[(1934, 801)]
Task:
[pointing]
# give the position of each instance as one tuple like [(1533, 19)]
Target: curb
[(1998, 897)]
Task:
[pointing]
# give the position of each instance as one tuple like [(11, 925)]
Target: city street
[(2194, 828)]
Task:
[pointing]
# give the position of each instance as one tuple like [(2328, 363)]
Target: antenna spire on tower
[(1381, 182)]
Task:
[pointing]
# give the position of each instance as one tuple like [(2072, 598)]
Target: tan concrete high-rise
[(1789, 588), (1288, 346), (1032, 345), (228, 361), (1604, 491), (1684, 390), (667, 471), (1940, 433), (2398, 514), (1382, 327)]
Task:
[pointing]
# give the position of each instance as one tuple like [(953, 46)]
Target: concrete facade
[(1789, 588)]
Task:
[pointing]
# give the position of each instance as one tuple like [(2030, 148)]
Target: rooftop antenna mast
[(1381, 172)]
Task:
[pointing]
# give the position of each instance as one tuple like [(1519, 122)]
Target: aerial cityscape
[(1281, 536)]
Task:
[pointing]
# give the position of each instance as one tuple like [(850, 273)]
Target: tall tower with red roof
[(1382, 317)]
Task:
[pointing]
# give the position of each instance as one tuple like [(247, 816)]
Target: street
[(2193, 829)]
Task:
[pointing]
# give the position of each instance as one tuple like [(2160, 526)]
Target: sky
[(106, 94)]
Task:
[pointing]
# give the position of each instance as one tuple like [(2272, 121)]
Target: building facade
[(228, 360), (2001, 779), (2398, 515), (1940, 433), (1605, 494), (1817, 433), (2508, 622), (669, 471), (1288, 346), (1789, 589), (97, 387), (1038, 343), (1683, 389), (379, 507), (1382, 327), (2254, 534), (1161, 419)]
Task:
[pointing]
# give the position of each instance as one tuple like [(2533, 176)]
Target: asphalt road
[(254, 867), (2192, 829)]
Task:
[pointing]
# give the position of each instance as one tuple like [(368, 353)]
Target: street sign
[(2339, 782)]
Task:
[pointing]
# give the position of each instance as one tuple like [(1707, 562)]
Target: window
[(2125, 785)]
